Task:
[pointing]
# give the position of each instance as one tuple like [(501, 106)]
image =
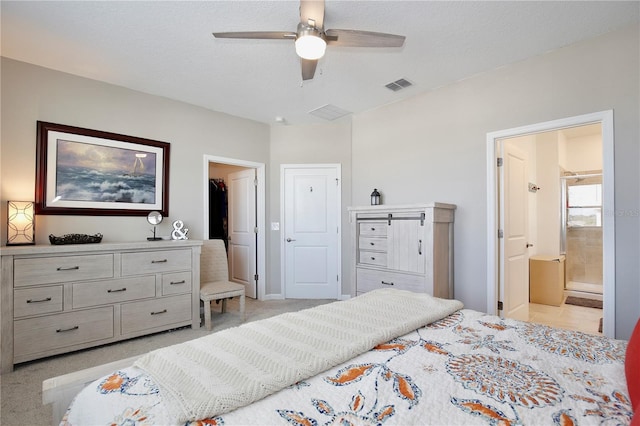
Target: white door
[(242, 229), (311, 231), (514, 222)]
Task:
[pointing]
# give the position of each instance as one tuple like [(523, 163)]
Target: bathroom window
[(584, 205)]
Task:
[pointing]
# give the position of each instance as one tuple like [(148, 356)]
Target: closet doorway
[(234, 211), (497, 278)]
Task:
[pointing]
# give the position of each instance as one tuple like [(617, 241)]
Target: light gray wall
[(31, 93), (428, 148), (312, 144), (433, 148)]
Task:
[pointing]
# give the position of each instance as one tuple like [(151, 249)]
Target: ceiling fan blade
[(308, 68), (312, 9), (355, 38), (279, 35)]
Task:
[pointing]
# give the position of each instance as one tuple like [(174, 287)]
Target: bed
[(465, 367)]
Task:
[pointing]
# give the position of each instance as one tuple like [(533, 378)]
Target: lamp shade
[(20, 223), (310, 43)]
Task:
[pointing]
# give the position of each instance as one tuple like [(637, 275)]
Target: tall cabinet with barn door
[(408, 247)]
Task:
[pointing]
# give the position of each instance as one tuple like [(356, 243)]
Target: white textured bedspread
[(235, 367)]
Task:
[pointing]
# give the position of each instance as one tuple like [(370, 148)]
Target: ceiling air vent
[(398, 85), (329, 112)]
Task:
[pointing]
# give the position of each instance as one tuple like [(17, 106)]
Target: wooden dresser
[(408, 247), (56, 299)]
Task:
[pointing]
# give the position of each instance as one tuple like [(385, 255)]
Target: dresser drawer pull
[(372, 244), (177, 282), (63, 330), (48, 299), (117, 291), (420, 247), (164, 311), (386, 283), (373, 229), (373, 258), (72, 268), (159, 261)]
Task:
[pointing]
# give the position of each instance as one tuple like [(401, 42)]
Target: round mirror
[(154, 218)]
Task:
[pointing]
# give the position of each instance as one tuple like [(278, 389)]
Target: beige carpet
[(21, 390)]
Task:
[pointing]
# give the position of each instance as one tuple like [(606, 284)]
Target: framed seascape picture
[(90, 172)]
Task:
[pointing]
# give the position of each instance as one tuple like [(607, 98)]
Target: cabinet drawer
[(371, 279), (373, 229), (373, 258), (146, 262), (176, 283), (38, 300), (36, 335), (113, 291), (61, 269), (368, 243), (138, 316)]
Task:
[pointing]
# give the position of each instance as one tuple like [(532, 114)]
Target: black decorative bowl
[(75, 239)]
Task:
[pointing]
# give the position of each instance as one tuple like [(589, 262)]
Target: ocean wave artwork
[(88, 172)]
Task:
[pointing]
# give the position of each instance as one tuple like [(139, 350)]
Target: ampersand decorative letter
[(178, 233)]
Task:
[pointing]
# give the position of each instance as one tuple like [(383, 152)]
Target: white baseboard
[(274, 296)]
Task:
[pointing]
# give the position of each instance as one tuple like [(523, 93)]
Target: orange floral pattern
[(468, 368)]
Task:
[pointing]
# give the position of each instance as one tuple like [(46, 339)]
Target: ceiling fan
[(311, 39)]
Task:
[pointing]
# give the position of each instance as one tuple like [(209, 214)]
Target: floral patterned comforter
[(468, 368)]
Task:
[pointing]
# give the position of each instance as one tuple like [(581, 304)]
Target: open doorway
[(501, 267), (234, 211), (553, 232)]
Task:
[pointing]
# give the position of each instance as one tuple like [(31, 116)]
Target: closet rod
[(390, 217)]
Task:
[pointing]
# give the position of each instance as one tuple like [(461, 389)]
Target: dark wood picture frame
[(95, 173)]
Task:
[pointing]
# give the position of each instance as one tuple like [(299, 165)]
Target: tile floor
[(570, 317)]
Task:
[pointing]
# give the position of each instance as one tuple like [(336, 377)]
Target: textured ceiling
[(166, 48)]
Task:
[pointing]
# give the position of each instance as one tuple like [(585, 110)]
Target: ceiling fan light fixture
[(310, 44)]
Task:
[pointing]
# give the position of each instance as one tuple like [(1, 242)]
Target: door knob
[(529, 245), (290, 239)]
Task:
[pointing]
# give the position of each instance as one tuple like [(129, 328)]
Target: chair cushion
[(219, 287), (632, 370)]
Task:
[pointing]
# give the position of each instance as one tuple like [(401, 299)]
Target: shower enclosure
[(581, 231)]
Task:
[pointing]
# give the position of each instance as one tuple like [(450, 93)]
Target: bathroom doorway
[(569, 191)]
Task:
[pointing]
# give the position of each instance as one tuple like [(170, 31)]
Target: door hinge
[(500, 233), (255, 181), (499, 161), (255, 277), (255, 230), (337, 181), (337, 277), (500, 306)]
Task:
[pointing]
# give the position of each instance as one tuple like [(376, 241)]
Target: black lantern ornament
[(375, 197)]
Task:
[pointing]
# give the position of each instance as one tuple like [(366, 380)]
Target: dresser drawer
[(143, 315), (61, 269), (370, 279), (113, 291), (373, 229), (373, 258), (38, 300), (369, 243), (176, 283), (146, 262), (37, 335)]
